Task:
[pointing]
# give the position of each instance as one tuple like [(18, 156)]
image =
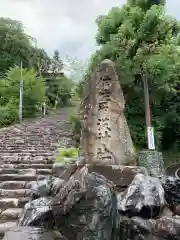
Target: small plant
[(75, 126), (67, 156)]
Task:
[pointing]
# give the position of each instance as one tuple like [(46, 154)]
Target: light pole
[(21, 95)]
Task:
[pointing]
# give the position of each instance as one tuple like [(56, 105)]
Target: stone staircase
[(27, 152)]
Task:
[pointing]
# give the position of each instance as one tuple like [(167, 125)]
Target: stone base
[(153, 161), (121, 176)]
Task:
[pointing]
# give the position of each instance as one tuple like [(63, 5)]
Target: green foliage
[(58, 86), (138, 38), (75, 126), (40, 61), (15, 45), (67, 156), (33, 94), (8, 114)]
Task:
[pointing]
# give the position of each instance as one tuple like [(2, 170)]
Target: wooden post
[(149, 129)]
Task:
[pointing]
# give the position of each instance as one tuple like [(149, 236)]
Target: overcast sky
[(66, 25)]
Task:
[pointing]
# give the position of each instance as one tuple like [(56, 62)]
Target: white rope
[(176, 173)]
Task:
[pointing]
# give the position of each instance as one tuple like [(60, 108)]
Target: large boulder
[(171, 186), (41, 188), (46, 187), (136, 228), (144, 197), (85, 208), (38, 213)]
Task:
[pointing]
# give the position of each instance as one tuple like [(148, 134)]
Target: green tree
[(138, 37), (33, 94), (40, 61), (15, 45), (58, 86)]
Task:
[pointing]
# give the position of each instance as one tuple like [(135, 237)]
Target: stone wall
[(153, 161)]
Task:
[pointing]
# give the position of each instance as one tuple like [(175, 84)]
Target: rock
[(176, 210), (63, 172), (161, 229), (105, 135), (166, 212), (56, 184), (29, 233), (38, 213), (171, 187), (85, 208), (144, 197), (86, 204), (41, 188), (58, 169), (46, 187)]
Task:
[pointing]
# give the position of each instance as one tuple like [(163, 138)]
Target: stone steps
[(19, 202), (26, 171), (27, 154), (27, 165), (21, 149), (10, 214), (15, 190), (29, 161), (9, 203), (24, 151), (15, 185), (15, 193), (17, 177), (17, 171)]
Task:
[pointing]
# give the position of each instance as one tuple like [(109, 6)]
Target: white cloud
[(67, 25)]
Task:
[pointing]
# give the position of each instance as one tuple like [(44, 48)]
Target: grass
[(70, 153)]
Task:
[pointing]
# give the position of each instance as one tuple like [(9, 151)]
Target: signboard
[(151, 143)]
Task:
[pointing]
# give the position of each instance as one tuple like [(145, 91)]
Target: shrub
[(33, 94), (75, 126), (8, 114), (70, 153)]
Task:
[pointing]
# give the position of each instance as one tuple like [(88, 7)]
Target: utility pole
[(21, 95), (149, 129)]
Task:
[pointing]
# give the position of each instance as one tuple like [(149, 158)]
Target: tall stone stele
[(105, 136)]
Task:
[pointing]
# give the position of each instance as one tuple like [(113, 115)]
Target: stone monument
[(105, 136)]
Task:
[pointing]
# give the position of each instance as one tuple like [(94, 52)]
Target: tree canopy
[(142, 39), (15, 45)]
